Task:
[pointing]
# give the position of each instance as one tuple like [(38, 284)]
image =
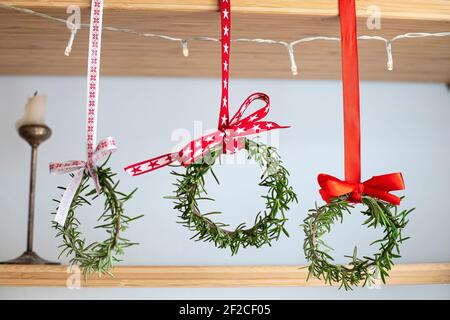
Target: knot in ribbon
[(102, 151), (377, 187), (229, 136)]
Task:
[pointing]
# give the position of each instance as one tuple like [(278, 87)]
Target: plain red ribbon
[(377, 186), (350, 87)]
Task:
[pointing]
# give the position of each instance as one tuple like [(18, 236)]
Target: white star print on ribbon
[(230, 131), (229, 138)]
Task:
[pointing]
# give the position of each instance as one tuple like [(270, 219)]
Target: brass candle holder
[(34, 134)]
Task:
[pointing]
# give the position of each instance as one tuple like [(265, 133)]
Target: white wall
[(405, 128)]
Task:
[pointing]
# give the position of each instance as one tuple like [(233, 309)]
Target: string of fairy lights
[(289, 46)]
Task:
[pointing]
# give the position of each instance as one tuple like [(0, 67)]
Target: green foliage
[(358, 271), (97, 256), (268, 225)]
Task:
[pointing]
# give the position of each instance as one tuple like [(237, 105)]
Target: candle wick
[(35, 93)]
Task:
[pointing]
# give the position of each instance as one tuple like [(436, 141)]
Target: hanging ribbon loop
[(106, 146), (377, 186), (230, 132)]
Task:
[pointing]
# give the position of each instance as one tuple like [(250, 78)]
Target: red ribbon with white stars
[(95, 153), (225, 14), (230, 131)]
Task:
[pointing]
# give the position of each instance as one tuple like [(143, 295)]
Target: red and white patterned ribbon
[(106, 146), (230, 131), (228, 137), (103, 150), (225, 18)]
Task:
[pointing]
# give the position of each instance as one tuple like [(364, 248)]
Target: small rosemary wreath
[(380, 213), (97, 256), (269, 224)]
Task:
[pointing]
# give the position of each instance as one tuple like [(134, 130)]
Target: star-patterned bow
[(106, 146), (228, 137), (230, 131)]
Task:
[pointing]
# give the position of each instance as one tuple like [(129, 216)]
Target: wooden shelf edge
[(35, 46), (205, 276), (436, 10)]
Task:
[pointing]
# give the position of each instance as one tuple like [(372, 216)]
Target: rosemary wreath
[(269, 224), (359, 270), (97, 256)]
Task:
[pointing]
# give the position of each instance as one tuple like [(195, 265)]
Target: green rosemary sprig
[(97, 256), (359, 270), (269, 223)]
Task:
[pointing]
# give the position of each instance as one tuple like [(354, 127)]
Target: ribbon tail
[(66, 200), (65, 167), (382, 195), (94, 177), (151, 164), (325, 195)]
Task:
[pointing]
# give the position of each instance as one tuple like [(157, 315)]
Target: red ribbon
[(377, 186), (228, 138), (230, 132), (350, 88)]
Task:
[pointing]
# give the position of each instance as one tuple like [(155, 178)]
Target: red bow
[(228, 137), (377, 187)]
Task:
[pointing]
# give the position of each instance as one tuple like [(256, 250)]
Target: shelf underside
[(207, 276), (34, 46)]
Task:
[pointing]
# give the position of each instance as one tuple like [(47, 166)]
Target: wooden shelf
[(31, 45), (208, 276)]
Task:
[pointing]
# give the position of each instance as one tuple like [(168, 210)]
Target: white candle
[(34, 111)]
